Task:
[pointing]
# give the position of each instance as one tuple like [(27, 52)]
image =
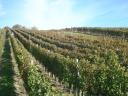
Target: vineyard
[(67, 62)]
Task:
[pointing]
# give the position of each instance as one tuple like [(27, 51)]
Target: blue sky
[(47, 14)]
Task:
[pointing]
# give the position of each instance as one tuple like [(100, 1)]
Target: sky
[(55, 14)]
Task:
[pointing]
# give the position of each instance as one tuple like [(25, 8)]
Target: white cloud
[(54, 13), (2, 12)]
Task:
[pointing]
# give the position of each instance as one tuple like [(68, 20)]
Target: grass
[(6, 74)]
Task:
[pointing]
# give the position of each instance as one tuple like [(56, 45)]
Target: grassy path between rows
[(6, 74), (11, 83)]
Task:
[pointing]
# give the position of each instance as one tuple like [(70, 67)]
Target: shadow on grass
[(6, 78)]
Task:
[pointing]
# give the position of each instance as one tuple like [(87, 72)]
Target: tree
[(34, 28), (17, 26)]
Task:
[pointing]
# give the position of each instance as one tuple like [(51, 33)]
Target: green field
[(67, 62)]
